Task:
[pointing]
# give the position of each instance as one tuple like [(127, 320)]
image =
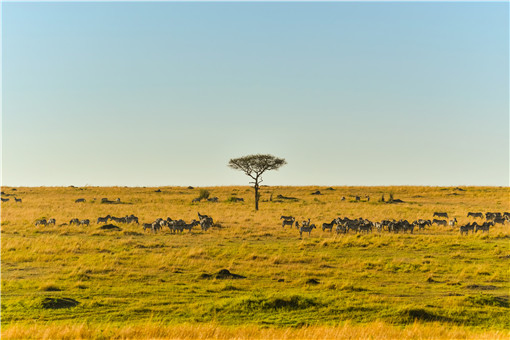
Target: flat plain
[(67, 281)]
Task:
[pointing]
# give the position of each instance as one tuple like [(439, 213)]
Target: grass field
[(82, 282)]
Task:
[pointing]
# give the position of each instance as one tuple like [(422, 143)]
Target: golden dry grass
[(132, 284)]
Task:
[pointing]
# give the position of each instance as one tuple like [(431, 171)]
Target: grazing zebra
[(484, 227), (329, 225), (41, 222), (132, 219), (52, 221), (80, 200), (439, 222), (306, 229), (85, 222), (288, 222), (103, 219), (205, 224), (74, 221), (17, 200), (213, 199), (283, 217), (473, 214), (196, 200), (343, 198), (340, 228), (452, 223), (499, 220), (4, 199), (440, 214), (147, 226), (117, 200), (464, 229), (190, 226)]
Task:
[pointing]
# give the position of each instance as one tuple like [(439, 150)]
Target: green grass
[(72, 275)]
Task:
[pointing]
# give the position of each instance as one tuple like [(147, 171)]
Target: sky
[(166, 93)]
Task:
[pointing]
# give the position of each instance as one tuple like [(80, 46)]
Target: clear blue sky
[(165, 93)]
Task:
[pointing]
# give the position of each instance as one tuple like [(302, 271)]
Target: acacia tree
[(254, 166)]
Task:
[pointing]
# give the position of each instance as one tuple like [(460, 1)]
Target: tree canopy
[(254, 166)]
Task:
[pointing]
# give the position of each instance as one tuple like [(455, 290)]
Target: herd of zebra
[(361, 225), (180, 225)]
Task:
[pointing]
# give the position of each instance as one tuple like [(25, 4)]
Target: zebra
[(439, 222), (74, 221), (132, 219), (343, 198), (452, 223), (196, 200), (205, 224), (328, 225), (475, 214), (358, 198), (17, 200), (289, 222), (340, 228), (213, 199), (484, 227), (117, 200), (499, 220), (464, 229), (85, 222), (283, 217), (440, 214), (306, 229), (147, 226), (80, 200), (190, 226), (4, 199), (41, 222), (103, 219), (51, 221)]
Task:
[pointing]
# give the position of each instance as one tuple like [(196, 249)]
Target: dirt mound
[(110, 227), (285, 198), (226, 274), (57, 303)]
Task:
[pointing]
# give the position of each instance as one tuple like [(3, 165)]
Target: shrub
[(204, 194)]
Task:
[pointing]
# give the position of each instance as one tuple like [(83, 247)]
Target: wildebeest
[(475, 214), (440, 214), (80, 200)]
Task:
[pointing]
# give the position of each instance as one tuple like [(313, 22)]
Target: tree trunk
[(256, 194)]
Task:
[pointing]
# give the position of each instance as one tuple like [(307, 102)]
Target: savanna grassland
[(83, 282)]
